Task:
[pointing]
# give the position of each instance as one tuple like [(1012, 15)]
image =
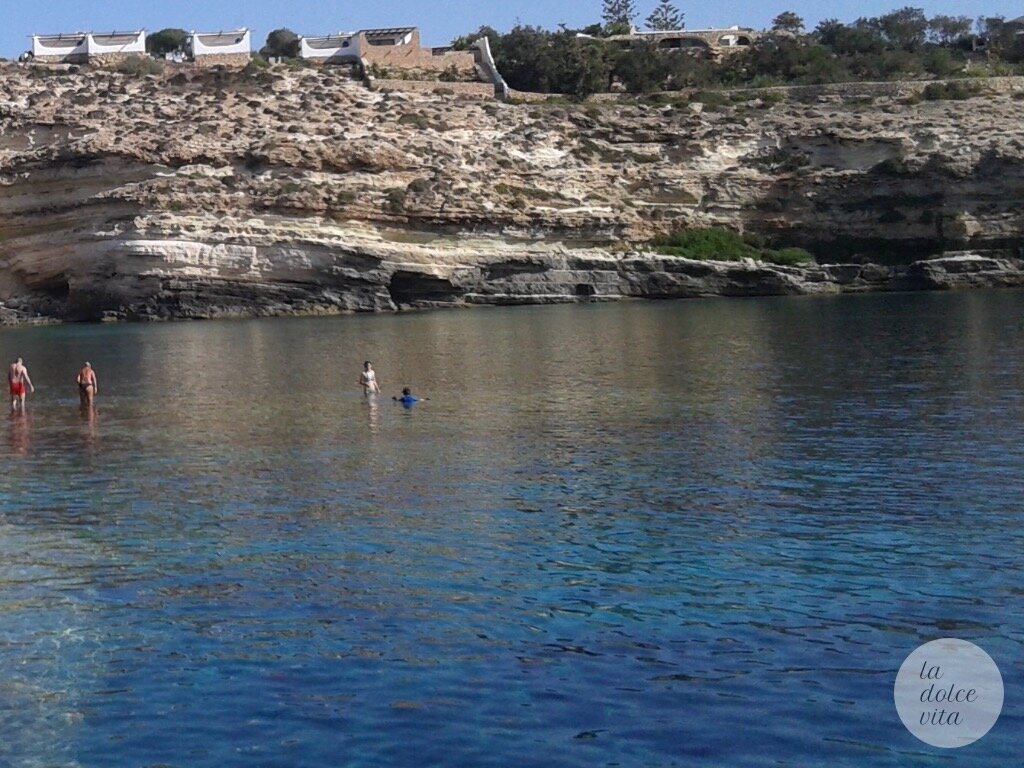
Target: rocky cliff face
[(206, 194)]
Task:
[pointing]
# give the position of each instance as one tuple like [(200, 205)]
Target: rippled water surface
[(701, 533)]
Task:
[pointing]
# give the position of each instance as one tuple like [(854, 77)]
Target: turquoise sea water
[(697, 533)]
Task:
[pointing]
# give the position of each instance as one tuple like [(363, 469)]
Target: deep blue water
[(644, 534)]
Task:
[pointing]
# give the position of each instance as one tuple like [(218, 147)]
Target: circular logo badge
[(949, 693)]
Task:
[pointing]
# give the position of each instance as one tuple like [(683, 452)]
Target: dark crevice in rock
[(505, 269), (57, 288), (414, 288)]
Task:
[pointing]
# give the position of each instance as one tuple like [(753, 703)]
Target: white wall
[(71, 45), (236, 42), (307, 51), (137, 44), (88, 44)]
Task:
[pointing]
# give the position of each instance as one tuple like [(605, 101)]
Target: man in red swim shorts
[(18, 378)]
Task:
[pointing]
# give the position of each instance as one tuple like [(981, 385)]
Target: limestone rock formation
[(201, 194)]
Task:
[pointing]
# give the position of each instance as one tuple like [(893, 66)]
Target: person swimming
[(408, 399)]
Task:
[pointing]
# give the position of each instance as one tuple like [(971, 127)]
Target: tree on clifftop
[(618, 16), (789, 22), (949, 30), (282, 43), (166, 41), (665, 17), (906, 28)]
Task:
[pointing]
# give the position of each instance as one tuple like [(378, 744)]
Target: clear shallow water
[(638, 534)]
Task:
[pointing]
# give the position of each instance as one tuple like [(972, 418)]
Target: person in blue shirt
[(408, 399)]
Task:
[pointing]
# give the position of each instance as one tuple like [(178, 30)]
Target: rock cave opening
[(57, 288), (412, 288), (585, 291)]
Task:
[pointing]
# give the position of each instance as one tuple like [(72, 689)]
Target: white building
[(80, 47), (339, 47), (220, 47), (395, 47)]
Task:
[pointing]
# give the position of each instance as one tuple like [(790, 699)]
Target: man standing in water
[(88, 387), (18, 378), (368, 380)]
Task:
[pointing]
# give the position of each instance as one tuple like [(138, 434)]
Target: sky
[(439, 20)]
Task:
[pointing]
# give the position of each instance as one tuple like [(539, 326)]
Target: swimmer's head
[(406, 392), (88, 364)]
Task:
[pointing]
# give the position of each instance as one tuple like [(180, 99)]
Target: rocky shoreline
[(218, 194), (540, 280)]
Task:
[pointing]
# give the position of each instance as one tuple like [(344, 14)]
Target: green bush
[(715, 244), (711, 99), (395, 200), (139, 65), (255, 64), (789, 256), (956, 90), (451, 75)]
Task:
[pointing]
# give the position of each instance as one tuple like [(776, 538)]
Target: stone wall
[(112, 59), (73, 58), (529, 96), (897, 89), (478, 90), (334, 61), (414, 57), (233, 60)]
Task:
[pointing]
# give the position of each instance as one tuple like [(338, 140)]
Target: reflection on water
[(638, 534), (18, 434), (370, 400)]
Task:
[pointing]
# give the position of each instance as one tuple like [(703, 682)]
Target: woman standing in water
[(88, 386), (368, 380)]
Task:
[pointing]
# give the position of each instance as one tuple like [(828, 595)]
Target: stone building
[(396, 48), (232, 48), (93, 47)]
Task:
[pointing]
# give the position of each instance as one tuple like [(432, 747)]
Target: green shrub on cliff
[(956, 90), (789, 256), (255, 64), (394, 200), (715, 244), (139, 65)]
